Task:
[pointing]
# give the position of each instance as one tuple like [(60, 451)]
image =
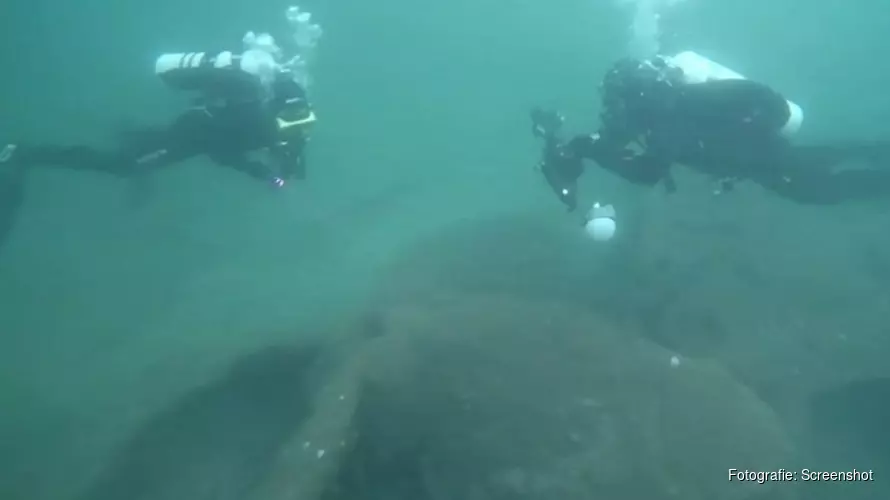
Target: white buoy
[(600, 224)]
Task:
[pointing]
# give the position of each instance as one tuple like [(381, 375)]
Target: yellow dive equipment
[(285, 124)]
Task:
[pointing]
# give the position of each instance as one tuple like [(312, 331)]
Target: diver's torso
[(245, 126), (726, 127)]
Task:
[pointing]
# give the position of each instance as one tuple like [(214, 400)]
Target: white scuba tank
[(699, 69), (219, 73), (193, 70)]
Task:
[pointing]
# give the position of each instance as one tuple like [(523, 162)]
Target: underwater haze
[(188, 334)]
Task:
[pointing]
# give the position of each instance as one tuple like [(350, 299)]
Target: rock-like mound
[(677, 298), (499, 398)]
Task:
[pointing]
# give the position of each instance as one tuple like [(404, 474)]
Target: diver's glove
[(562, 169), (560, 166), (545, 123)]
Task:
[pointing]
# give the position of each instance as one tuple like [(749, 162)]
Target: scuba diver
[(247, 103), (690, 110)]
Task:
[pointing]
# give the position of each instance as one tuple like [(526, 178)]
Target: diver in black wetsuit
[(247, 105), (733, 129)]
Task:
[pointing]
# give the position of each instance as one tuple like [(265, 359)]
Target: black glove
[(562, 169), (545, 123)]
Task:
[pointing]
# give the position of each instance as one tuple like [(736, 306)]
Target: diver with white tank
[(690, 110), (247, 103)]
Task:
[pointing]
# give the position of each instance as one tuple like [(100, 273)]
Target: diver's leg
[(117, 162), (829, 175), (73, 157), (137, 151), (871, 154), (148, 149), (826, 188)]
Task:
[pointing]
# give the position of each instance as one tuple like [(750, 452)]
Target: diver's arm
[(642, 169), (254, 168), (294, 122), (610, 152), (290, 156), (562, 163)]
